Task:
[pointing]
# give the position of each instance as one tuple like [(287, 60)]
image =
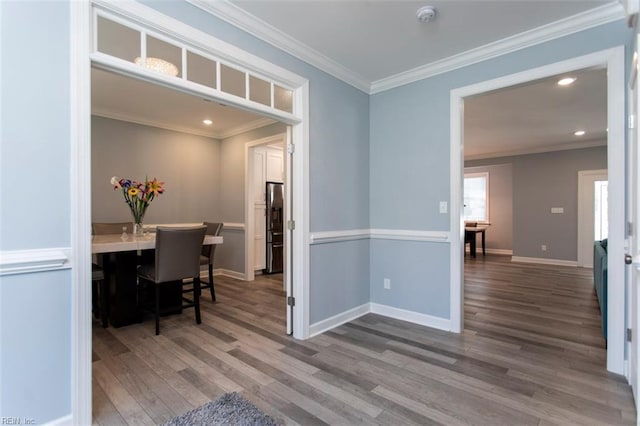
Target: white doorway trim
[(585, 214), (249, 246), (613, 60), (80, 160)]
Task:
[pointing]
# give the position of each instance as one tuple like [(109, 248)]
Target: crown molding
[(243, 20), (582, 21), (243, 128), (252, 125), (539, 149)]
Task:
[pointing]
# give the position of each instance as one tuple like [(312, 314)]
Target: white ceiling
[(125, 98), (379, 39), (373, 40), (539, 116)]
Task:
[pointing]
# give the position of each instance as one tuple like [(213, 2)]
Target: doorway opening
[(86, 54), (613, 61), (593, 213)]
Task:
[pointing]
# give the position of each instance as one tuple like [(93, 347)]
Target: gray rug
[(229, 409)]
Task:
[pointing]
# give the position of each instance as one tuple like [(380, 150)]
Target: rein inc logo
[(17, 421)]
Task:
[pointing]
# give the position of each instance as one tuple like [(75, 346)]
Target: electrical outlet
[(387, 283), (543, 247), (443, 206)]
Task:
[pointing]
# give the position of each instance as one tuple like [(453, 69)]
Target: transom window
[(476, 197), (126, 41)]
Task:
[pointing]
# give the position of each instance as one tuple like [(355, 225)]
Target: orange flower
[(155, 187)]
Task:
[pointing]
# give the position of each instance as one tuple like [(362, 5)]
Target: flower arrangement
[(138, 196)]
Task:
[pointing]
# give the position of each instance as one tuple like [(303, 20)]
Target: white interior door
[(288, 218), (587, 212), (275, 165), (633, 197)]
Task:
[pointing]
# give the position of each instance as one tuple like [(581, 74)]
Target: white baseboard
[(505, 252), (543, 261), (62, 421), (337, 320), (410, 316), (384, 310), (229, 273)]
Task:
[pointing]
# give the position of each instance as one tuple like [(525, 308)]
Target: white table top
[(114, 242)]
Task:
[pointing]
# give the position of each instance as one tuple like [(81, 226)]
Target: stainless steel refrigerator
[(275, 227)]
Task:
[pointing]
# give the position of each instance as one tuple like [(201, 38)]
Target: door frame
[(80, 36), (585, 176), (613, 60), (249, 246)]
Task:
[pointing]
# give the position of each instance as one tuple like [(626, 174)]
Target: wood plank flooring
[(531, 353)]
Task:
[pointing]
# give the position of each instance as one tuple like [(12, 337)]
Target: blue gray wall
[(35, 309), (409, 166), (542, 181), (338, 164), (375, 162)]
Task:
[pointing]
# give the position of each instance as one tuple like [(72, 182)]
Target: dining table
[(470, 234), (120, 255)]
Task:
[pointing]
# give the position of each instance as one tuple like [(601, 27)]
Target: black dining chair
[(207, 254), (177, 258)]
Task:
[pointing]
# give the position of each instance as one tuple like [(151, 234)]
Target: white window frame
[(485, 175)]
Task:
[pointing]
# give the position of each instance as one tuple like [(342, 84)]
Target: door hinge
[(631, 122), (291, 225), (291, 301), (629, 335), (629, 229), (291, 148)]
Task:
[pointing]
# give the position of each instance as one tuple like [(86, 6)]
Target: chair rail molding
[(233, 226), (325, 237), (411, 235), (34, 260)]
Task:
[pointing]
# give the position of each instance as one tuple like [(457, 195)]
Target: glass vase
[(138, 229)]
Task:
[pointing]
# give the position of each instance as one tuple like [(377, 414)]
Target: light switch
[(557, 209), (443, 206)]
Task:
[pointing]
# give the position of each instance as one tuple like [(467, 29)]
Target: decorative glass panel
[(163, 57), (117, 40), (283, 99), (232, 81), (201, 70), (259, 91)]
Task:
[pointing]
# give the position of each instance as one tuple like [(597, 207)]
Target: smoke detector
[(426, 14)]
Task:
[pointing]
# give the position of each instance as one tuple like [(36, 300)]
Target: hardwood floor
[(531, 353)]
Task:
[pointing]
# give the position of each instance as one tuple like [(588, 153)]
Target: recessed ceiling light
[(579, 132), (207, 122), (566, 81)]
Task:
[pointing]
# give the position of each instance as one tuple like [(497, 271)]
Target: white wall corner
[(337, 320), (411, 316)]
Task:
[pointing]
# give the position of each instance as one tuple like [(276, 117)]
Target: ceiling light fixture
[(566, 81), (426, 14), (207, 122), (579, 132), (158, 65)]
